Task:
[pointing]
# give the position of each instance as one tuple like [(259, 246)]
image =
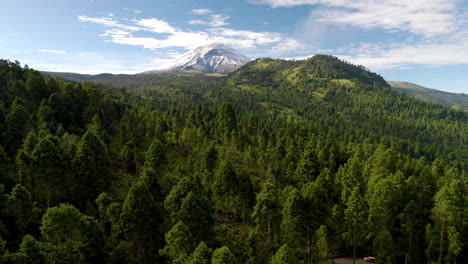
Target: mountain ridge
[(212, 58), (447, 99)]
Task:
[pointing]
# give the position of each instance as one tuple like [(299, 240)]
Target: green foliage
[(50, 167), (17, 123), (223, 256), (91, 165), (383, 247), (201, 255), (197, 212), (36, 87), (451, 100), (318, 154), (227, 121), (139, 222), (179, 244), (322, 243), (61, 228), (223, 186), (30, 251), (154, 162), (21, 208), (284, 255)]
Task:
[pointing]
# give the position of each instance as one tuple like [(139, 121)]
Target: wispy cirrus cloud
[(155, 25), (214, 21), (434, 31), (201, 11), (164, 35), (401, 55), (424, 17), (52, 51)]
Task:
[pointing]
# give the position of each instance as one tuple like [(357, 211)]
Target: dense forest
[(451, 100), (278, 162)]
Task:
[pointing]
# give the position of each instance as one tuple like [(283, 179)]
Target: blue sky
[(420, 41)]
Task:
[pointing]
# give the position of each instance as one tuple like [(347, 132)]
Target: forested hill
[(328, 95), (135, 83), (279, 162), (451, 100)]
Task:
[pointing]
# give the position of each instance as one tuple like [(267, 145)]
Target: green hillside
[(451, 100), (278, 162)]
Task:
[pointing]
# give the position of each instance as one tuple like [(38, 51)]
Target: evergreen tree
[(92, 166), (223, 256), (17, 124), (21, 208), (222, 186), (308, 167), (49, 166), (179, 244), (201, 255), (227, 121), (61, 229), (383, 247), (36, 87), (355, 219), (284, 255), (139, 223), (154, 162), (197, 212), (30, 252)]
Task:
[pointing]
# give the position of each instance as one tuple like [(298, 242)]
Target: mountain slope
[(333, 96), (213, 58), (138, 82), (452, 100)]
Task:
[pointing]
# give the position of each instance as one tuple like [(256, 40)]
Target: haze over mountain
[(212, 58), (451, 100)]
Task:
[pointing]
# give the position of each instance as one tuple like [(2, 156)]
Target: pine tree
[(92, 166), (223, 256), (201, 255), (61, 228), (383, 247), (179, 244), (284, 255), (139, 223), (50, 168), (222, 186), (17, 123), (227, 121)]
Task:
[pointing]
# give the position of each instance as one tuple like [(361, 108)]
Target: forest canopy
[(278, 162)]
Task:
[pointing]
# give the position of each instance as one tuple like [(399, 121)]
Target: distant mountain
[(138, 82), (452, 100), (213, 58)]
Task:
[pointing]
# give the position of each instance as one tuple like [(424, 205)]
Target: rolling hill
[(451, 100)]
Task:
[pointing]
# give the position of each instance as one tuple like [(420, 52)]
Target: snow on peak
[(212, 58)]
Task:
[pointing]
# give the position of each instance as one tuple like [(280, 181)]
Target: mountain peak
[(212, 58)]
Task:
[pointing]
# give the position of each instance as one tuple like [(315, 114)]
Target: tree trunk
[(441, 247), (309, 247), (354, 247), (410, 243)]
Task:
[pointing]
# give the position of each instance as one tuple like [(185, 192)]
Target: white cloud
[(288, 45), (167, 36), (403, 55), (107, 22), (85, 54), (52, 51), (136, 11), (424, 17), (201, 11), (155, 25), (215, 21)]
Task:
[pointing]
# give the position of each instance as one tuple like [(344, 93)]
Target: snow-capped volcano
[(213, 58)]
